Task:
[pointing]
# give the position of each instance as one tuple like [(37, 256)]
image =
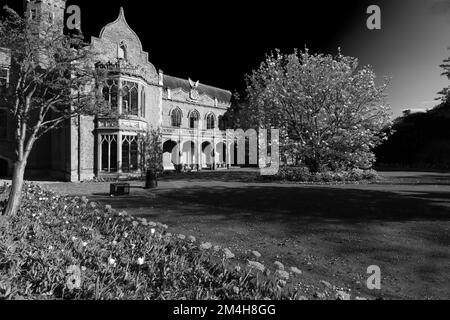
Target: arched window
[(125, 99), (130, 99), (176, 118), (114, 96), (110, 91), (108, 152), (134, 102), (210, 121), (129, 153), (143, 102), (193, 119)]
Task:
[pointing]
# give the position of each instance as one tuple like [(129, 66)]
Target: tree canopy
[(52, 80), (329, 109)]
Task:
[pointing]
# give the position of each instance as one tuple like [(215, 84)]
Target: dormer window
[(122, 51)]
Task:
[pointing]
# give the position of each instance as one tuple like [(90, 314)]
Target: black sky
[(219, 42)]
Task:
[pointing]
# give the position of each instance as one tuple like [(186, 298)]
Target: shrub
[(60, 247), (302, 174)]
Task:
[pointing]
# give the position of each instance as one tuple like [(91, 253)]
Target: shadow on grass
[(405, 234), (292, 204)]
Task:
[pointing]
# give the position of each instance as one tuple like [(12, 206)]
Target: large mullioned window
[(109, 152), (130, 98), (129, 153), (111, 93)]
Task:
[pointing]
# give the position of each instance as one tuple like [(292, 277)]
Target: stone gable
[(119, 32)]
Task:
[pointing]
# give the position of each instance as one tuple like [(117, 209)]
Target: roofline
[(206, 85)]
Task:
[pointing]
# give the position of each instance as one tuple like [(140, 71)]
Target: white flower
[(152, 231), (257, 265), (50, 248), (256, 254), (206, 246), (84, 243), (114, 243), (111, 261), (125, 235), (74, 238), (140, 261), (228, 254)]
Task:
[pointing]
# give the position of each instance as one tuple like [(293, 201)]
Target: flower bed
[(302, 174), (60, 247)]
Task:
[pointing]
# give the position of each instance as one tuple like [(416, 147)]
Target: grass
[(330, 232), (60, 247)]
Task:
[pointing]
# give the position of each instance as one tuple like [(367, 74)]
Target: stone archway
[(188, 153), (221, 154), (171, 154), (207, 154)]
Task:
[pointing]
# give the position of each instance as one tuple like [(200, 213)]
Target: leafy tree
[(329, 110), (53, 79), (150, 150), (445, 93)]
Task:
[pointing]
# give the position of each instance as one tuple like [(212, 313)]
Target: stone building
[(186, 111)]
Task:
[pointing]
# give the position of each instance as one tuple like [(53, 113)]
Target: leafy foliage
[(151, 150), (53, 79), (329, 110), (420, 140), (302, 174)]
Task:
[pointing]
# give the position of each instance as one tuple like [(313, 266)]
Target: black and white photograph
[(225, 159)]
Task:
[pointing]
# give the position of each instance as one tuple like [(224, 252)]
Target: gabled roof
[(213, 92)]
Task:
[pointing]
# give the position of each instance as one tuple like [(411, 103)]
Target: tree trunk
[(16, 188)]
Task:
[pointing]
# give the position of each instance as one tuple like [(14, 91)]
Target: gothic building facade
[(187, 113)]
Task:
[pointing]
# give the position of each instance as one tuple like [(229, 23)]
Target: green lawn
[(331, 233)]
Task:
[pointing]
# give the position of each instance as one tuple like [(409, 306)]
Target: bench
[(119, 189)]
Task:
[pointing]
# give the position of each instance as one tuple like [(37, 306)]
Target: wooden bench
[(119, 189)]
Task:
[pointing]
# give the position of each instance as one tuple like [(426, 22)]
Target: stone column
[(119, 98), (119, 152), (214, 152), (99, 153)]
